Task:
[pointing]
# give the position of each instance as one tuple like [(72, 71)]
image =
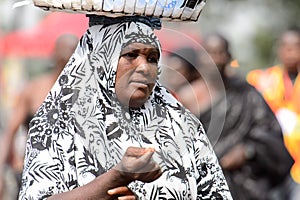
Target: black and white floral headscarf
[(81, 130)]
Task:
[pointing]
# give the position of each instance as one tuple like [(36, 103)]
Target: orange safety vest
[(292, 142), (279, 92)]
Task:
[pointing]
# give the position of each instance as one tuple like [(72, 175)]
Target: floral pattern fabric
[(81, 130)]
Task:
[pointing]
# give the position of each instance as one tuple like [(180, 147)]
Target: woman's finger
[(148, 167), (128, 197), (123, 190), (137, 151), (137, 164), (151, 176), (144, 159)]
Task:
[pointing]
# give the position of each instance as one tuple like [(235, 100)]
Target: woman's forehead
[(140, 46)]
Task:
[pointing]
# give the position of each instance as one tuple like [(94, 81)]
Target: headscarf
[(81, 130)]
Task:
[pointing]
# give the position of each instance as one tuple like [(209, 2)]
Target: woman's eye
[(130, 55), (153, 59)]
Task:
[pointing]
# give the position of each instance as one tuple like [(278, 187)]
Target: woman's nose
[(143, 66)]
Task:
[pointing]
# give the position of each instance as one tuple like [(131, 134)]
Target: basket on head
[(180, 10)]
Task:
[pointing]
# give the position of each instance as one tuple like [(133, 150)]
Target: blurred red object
[(172, 39), (39, 41)]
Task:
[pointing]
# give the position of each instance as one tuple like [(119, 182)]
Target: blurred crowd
[(252, 121)]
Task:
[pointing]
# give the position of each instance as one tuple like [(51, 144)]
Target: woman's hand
[(138, 164), (122, 193)]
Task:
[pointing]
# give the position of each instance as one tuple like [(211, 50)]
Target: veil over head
[(81, 130)]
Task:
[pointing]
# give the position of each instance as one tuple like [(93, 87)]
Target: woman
[(105, 101)]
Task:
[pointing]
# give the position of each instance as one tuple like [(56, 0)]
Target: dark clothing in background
[(248, 121)]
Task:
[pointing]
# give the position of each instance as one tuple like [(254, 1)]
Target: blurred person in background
[(182, 70), (250, 145), (280, 86), (29, 100)]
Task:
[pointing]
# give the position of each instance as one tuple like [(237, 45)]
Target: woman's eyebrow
[(137, 50)]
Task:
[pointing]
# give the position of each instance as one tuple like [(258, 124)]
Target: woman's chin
[(138, 100)]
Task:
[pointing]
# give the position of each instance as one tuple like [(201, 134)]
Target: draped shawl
[(81, 130)]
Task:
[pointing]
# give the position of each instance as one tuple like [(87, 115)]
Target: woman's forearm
[(96, 189)]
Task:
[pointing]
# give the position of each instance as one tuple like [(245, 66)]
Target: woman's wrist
[(96, 189), (117, 178)]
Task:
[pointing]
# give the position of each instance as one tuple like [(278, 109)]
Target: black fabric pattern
[(153, 22)]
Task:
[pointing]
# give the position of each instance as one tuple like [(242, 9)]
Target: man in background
[(280, 87), (249, 142)]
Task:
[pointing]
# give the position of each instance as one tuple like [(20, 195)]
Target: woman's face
[(136, 74)]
